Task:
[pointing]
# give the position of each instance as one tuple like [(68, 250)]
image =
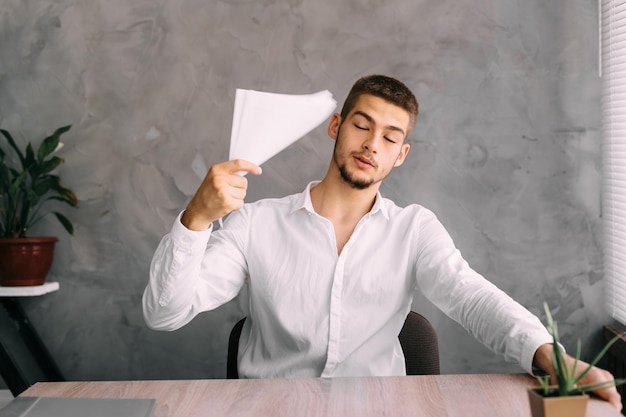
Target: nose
[(371, 143)]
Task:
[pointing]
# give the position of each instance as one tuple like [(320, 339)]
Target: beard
[(351, 181), (347, 177)]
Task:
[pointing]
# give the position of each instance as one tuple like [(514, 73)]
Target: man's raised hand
[(221, 192)]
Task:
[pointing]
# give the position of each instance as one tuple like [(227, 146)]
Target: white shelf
[(30, 291)]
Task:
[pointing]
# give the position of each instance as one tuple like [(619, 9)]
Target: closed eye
[(390, 140), (360, 127)]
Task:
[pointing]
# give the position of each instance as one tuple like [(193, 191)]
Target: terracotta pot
[(540, 406), (25, 261)]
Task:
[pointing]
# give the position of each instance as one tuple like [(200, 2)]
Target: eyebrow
[(371, 120)]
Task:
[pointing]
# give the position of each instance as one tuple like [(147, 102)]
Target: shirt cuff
[(527, 363), (189, 241)]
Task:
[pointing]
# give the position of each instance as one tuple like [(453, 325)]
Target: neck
[(334, 199)]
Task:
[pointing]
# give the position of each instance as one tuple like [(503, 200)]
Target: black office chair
[(233, 349), (417, 338), (420, 346)]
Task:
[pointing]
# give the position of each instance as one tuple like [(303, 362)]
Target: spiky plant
[(567, 379)]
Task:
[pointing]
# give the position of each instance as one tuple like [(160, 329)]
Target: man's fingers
[(616, 402), (237, 193), (221, 192), (241, 165), (612, 396), (237, 181), (247, 166)]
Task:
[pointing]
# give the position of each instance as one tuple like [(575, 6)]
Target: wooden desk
[(416, 396)]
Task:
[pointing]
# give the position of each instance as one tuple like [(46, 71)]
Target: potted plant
[(27, 186), (567, 398)]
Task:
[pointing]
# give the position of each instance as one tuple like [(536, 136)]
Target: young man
[(332, 271)]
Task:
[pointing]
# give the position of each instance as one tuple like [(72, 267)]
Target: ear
[(404, 151), (333, 126)]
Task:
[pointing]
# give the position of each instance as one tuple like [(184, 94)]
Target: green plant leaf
[(65, 194), (32, 197), (597, 359), (50, 143), (48, 146), (544, 381), (65, 222), (577, 358), (4, 177), (68, 196), (561, 371), (560, 368), (13, 145), (64, 200), (15, 186), (43, 185), (50, 165), (29, 161), (597, 386)]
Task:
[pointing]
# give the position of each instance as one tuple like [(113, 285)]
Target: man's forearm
[(543, 358)]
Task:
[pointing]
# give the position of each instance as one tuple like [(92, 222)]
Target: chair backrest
[(233, 349), (417, 338), (420, 346)]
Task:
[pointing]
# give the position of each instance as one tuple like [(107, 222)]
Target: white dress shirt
[(316, 313)]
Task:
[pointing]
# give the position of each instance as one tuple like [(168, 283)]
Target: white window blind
[(613, 70)]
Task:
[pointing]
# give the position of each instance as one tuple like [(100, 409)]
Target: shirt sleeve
[(191, 272), (490, 315)]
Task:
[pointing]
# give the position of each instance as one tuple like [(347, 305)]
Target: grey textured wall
[(506, 149)]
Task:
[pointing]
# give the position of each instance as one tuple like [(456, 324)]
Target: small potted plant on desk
[(567, 398), (26, 186)]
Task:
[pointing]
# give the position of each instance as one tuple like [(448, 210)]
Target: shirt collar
[(303, 201)]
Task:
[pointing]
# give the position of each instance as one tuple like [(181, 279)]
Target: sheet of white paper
[(266, 123)]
